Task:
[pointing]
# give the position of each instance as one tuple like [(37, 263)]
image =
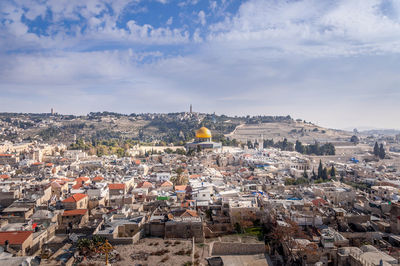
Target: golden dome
[(203, 133)]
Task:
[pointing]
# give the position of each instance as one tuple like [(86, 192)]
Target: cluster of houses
[(65, 195)]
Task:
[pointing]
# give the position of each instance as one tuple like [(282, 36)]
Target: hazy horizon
[(334, 63)]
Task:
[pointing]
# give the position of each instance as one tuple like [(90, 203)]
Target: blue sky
[(335, 62)]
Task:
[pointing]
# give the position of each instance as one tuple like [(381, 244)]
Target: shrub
[(180, 252), (160, 252), (165, 259)]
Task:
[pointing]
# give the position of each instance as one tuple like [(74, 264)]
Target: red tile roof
[(167, 184), (14, 237), (116, 186), (82, 178), (77, 186), (55, 184), (75, 212), (190, 213), (98, 178), (182, 187), (75, 198), (5, 155), (194, 176), (319, 202), (145, 184), (4, 176)]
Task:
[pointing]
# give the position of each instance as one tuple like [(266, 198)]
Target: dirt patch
[(157, 251)]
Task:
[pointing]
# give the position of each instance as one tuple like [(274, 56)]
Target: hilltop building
[(203, 141)]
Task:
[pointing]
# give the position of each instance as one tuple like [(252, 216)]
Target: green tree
[(320, 169), (324, 174), (267, 143), (284, 144), (238, 228), (333, 172), (314, 176), (382, 152), (376, 149), (299, 147), (250, 145), (354, 139)]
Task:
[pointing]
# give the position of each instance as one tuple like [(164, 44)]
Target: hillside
[(292, 130), (175, 128)]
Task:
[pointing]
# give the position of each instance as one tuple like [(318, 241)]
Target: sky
[(335, 63)]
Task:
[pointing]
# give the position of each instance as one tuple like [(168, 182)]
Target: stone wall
[(357, 218), (226, 248), (185, 230), (216, 230), (125, 240), (155, 229)]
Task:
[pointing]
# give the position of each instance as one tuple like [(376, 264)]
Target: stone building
[(76, 201)]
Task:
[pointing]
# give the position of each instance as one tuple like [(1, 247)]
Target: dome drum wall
[(203, 141)]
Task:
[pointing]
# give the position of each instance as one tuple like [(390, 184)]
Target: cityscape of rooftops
[(199, 132)]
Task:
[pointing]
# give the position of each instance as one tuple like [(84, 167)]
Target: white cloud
[(98, 25), (170, 20), (202, 17), (213, 5), (271, 57), (162, 1), (312, 27)]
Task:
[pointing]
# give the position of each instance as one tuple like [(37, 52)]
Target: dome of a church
[(203, 133)]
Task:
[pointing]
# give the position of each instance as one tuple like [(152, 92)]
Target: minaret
[(191, 109)]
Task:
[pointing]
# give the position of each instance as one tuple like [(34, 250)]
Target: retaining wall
[(226, 248)]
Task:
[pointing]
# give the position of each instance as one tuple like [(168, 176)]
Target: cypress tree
[(333, 172), (314, 176), (324, 174), (320, 169), (376, 149), (284, 144), (382, 152)]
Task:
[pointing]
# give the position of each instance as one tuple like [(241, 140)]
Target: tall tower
[(52, 111), (191, 109)]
